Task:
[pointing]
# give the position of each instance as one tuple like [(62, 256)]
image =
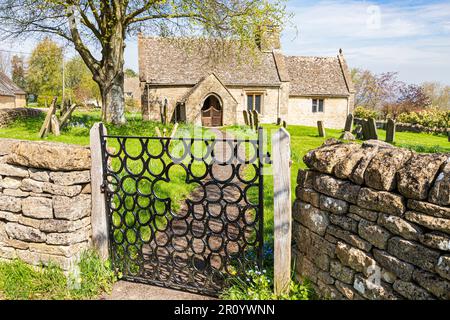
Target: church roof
[(186, 61), (316, 76), (7, 87)]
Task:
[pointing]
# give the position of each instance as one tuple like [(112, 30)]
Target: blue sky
[(411, 37)]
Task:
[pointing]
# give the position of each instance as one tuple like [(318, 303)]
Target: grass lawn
[(303, 139)]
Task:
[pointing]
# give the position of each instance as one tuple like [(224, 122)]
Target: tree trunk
[(113, 101)]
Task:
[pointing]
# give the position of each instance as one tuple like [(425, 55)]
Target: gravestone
[(390, 131), (278, 121), (250, 120), (255, 119), (284, 124), (247, 123), (358, 132), (321, 128), (365, 129), (373, 129), (349, 123)]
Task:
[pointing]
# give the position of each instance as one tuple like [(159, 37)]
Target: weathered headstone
[(245, 113), (390, 131), (46, 126), (358, 132), (54, 124), (373, 129), (321, 128), (278, 121), (250, 119), (365, 129), (255, 119), (284, 124), (349, 123)]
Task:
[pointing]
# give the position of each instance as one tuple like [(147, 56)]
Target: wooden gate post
[(99, 222), (281, 157)]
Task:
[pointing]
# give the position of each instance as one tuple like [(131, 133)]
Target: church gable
[(195, 98)]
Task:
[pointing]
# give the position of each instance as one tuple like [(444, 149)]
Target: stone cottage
[(11, 96), (178, 74), (132, 90)]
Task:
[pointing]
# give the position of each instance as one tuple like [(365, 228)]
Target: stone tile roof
[(169, 61), (7, 87), (177, 62), (317, 76)]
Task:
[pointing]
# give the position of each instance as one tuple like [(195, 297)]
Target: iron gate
[(193, 241)]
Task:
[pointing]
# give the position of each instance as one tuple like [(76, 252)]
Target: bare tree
[(98, 29), (438, 93), (373, 91), (5, 62)]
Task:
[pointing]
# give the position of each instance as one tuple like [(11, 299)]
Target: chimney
[(268, 38)]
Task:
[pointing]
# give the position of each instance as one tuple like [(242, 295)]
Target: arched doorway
[(212, 112)]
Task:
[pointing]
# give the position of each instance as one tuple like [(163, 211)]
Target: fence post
[(100, 234), (281, 156)]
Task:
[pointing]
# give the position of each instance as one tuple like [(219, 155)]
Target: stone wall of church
[(334, 115)]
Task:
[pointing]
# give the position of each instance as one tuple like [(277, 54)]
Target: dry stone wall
[(45, 202), (9, 115), (373, 222)]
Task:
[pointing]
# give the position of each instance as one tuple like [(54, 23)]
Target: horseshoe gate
[(184, 213)]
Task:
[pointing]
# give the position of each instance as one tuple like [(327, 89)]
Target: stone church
[(178, 77)]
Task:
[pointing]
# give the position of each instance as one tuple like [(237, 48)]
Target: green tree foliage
[(18, 71), (44, 76), (80, 86), (130, 73)]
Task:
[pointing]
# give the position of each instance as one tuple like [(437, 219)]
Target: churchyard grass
[(303, 139), (20, 281)]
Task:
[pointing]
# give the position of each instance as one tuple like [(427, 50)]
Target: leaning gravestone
[(373, 129), (349, 123), (321, 128), (255, 119), (390, 131), (247, 123), (250, 119)]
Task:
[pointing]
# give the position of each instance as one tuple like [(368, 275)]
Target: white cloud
[(383, 37)]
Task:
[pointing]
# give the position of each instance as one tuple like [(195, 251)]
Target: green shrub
[(19, 281), (428, 118), (363, 113), (259, 286)]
